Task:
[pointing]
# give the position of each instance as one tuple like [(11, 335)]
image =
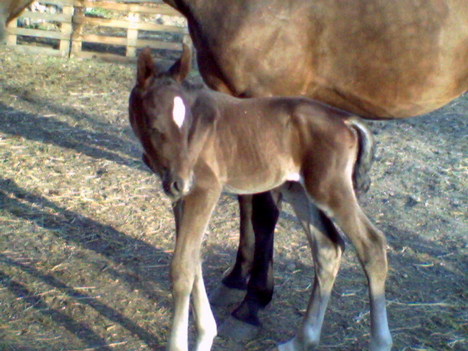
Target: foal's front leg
[(193, 213)]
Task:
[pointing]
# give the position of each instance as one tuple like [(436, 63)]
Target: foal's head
[(160, 117)]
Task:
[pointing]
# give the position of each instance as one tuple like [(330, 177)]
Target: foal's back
[(280, 121), (267, 141)]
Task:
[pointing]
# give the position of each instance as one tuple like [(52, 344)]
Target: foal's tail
[(365, 157)]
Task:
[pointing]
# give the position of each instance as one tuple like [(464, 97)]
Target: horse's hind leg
[(370, 246), (327, 247)]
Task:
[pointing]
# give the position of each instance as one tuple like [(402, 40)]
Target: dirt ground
[(86, 235)]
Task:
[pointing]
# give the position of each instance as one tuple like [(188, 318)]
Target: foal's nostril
[(177, 187)]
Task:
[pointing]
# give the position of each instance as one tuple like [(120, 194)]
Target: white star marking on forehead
[(178, 111)]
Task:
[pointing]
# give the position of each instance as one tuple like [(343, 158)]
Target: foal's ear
[(146, 68), (181, 68)]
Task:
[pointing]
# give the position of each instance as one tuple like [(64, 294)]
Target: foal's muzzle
[(177, 187)]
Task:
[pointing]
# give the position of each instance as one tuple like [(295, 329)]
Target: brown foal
[(201, 142)]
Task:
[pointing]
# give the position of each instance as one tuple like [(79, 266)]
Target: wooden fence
[(111, 30), (43, 36)]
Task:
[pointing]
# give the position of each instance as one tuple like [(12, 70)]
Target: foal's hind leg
[(327, 247), (370, 244)]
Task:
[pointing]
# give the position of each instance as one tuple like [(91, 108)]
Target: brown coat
[(374, 58)]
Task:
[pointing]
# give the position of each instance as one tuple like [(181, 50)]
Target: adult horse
[(9, 10), (374, 58)]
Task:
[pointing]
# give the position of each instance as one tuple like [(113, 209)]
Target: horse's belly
[(395, 60)]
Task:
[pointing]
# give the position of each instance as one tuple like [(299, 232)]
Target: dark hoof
[(224, 296), (237, 330)]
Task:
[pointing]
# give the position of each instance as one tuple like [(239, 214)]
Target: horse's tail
[(365, 157)]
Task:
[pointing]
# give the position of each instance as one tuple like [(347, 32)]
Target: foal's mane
[(192, 85)]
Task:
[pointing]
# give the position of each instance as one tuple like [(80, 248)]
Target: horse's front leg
[(192, 217), (265, 214), (244, 323), (234, 284), (206, 324)]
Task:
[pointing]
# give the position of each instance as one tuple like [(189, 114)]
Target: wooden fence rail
[(110, 30)]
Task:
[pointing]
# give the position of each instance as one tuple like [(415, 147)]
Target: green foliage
[(98, 12)]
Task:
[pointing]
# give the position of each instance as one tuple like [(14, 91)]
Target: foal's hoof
[(224, 296), (237, 330), (290, 345)]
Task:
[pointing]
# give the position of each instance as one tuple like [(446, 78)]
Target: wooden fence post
[(66, 29), (132, 34), (11, 38), (78, 23)]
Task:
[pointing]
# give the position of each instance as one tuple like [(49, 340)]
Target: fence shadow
[(102, 239), (49, 130), (120, 248), (80, 330)]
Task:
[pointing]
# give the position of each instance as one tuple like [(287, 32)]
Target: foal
[(201, 142)]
